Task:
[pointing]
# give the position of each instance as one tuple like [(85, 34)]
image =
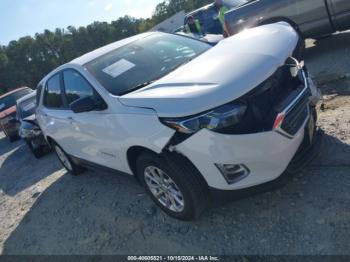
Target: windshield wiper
[(137, 87)]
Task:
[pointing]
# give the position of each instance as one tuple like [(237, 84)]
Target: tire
[(37, 150), (192, 194), (4, 130), (12, 138), (66, 160), (314, 113)]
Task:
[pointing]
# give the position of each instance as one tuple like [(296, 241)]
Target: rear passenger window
[(76, 86), (53, 95)]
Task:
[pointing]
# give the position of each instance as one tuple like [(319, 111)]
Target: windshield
[(10, 100), (137, 64), (27, 108)]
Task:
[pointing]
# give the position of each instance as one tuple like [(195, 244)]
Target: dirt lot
[(45, 211)]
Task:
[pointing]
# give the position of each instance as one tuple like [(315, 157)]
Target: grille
[(269, 99), (296, 117)]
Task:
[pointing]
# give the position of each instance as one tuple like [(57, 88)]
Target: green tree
[(27, 60)]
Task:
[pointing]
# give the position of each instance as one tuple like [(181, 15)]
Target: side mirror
[(2, 106), (84, 104)]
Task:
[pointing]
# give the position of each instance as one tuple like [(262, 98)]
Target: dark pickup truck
[(311, 18)]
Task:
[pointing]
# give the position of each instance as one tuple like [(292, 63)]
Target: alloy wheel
[(164, 189)]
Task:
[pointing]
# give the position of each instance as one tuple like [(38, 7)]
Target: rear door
[(340, 13), (54, 114)]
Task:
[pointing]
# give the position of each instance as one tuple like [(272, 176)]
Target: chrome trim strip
[(291, 106)]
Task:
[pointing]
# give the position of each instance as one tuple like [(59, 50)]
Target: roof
[(24, 98), (13, 91), (108, 48)]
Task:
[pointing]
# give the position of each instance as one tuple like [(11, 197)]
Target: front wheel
[(66, 161), (175, 187)]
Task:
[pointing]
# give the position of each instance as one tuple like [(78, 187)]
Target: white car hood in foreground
[(224, 73)]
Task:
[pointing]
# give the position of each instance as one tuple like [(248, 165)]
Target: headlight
[(222, 117)]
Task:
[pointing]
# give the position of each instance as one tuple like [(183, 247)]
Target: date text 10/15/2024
[(173, 258)]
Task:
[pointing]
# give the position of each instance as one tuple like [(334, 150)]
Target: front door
[(93, 135)]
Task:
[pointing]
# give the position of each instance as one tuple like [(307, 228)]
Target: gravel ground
[(324, 63), (45, 211)]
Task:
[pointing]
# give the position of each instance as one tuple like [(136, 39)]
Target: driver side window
[(77, 87)]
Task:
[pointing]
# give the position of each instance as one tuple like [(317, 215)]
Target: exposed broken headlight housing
[(216, 119)]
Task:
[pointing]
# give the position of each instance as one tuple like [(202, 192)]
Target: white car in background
[(182, 116)]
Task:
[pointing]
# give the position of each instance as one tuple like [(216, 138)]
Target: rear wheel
[(3, 129), (175, 187), (66, 161), (11, 138)]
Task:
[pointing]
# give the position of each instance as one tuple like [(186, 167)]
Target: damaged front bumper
[(266, 155), (257, 158)]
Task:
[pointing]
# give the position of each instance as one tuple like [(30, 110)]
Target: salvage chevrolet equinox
[(182, 116)]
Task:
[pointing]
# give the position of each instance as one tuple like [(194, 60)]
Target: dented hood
[(222, 74)]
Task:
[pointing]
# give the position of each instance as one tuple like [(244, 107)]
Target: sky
[(20, 18)]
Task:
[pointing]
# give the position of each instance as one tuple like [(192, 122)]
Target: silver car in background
[(311, 18), (29, 129)]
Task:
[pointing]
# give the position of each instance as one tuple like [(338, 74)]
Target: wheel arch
[(135, 151), (50, 140)]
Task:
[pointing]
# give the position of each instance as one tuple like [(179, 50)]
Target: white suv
[(182, 116)]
